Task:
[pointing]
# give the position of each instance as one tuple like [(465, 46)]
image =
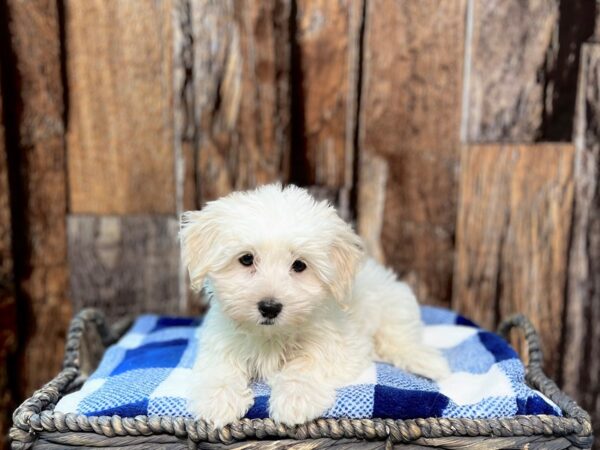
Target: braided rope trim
[(36, 414)]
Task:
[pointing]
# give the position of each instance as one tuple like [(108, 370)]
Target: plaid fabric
[(146, 373)]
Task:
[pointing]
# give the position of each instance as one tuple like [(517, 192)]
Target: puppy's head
[(272, 256)]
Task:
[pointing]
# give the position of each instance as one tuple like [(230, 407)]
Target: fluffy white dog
[(292, 302)]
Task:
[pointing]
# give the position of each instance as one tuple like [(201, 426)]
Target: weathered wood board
[(120, 83), (410, 119), (508, 42), (325, 82), (125, 265), (185, 145), (241, 94), (581, 354), (38, 159), (514, 223)]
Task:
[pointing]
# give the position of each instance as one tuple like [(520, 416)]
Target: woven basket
[(37, 426)]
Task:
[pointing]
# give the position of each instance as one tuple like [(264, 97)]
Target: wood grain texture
[(513, 234), (241, 94), (327, 39), (410, 117), (506, 56), (8, 325), (185, 123), (120, 76), (125, 265), (38, 159), (581, 355)]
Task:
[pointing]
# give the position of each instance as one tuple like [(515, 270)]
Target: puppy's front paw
[(220, 404), (295, 403)]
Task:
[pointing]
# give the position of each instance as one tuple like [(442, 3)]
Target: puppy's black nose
[(269, 308)]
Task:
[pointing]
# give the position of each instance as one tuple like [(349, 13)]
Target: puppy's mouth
[(267, 322)]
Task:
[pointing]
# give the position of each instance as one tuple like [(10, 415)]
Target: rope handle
[(532, 338), (534, 369), (84, 319)]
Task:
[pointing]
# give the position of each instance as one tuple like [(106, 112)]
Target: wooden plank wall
[(413, 76), (120, 89), (513, 234), (460, 137), (36, 156)]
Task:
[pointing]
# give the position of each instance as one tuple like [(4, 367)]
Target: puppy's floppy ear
[(199, 236), (346, 252)]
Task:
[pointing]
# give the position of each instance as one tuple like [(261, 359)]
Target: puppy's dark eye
[(246, 260), (298, 266)]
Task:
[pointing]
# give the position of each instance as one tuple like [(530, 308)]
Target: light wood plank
[(125, 265), (513, 234), (241, 94), (581, 357), (120, 75), (40, 187), (410, 119), (509, 42)]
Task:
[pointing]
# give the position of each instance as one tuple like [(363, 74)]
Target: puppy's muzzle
[(269, 308)]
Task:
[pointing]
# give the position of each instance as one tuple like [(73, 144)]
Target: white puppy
[(292, 302)]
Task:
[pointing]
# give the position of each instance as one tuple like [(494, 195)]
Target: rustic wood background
[(461, 137)]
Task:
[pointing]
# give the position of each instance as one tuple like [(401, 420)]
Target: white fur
[(338, 315)]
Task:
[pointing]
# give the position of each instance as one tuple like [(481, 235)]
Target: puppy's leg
[(305, 387), (400, 343), (219, 391), (391, 313), (300, 392)]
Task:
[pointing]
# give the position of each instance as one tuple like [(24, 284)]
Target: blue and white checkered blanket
[(147, 371)]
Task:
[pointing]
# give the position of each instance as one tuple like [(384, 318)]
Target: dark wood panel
[(241, 94), (120, 74), (508, 44), (410, 120), (576, 20), (513, 234), (8, 325), (326, 70), (125, 265), (581, 354), (37, 157)]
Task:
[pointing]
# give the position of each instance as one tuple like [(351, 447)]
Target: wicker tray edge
[(35, 416)]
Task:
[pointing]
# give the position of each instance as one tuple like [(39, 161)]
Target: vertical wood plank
[(185, 143), (124, 265), (40, 189), (120, 76), (373, 178), (581, 355), (506, 56), (327, 37), (241, 85), (514, 224), (8, 335), (410, 119), (185, 121)]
